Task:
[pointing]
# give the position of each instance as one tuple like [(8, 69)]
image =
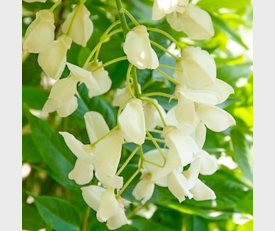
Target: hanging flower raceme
[(138, 49), (82, 27), (40, 33), (54, 57), (193, 21)]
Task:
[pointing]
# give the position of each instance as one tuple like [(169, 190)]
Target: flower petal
[(138, 49), (117, 220), (185, 111), (91, 195), (202, 192), (215, 118), (109, 182), (209, 163), (95, 126), (161, 8), (132, 122), (82, 172), (77, 148), (144, 190), (67, 108)]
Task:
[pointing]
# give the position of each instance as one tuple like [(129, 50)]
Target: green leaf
[(198, 224), (143, 224), (31, 71), (242, 154), (230, 32), (58, 212), (29, 151), (31, 219), (53, 150), (34, 97)]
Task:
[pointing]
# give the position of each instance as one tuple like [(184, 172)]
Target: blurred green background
[(50, 200)]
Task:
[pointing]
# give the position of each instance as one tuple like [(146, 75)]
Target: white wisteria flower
[(138, 49), (132, 122), (54, 57), (108, 207), (182, 147), (40, 33), (193, 21), (102, 78), (62, 97), (82, 27)]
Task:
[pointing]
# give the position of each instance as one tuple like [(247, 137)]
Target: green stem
[(156, 131), (163, 49), (135, 82), (86, 219), (122, 18), (167, 77), (170, 67), (122, 107), (155, 139), (110, 62), (129, 181), (127, 161), (55, 5), (157, 94), (123, 10), (165, 34), (107, 134), (128, 80), (141, 156), (157, 108), (149, 162), (156, 145)]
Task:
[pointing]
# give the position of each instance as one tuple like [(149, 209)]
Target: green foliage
[(51, 160)]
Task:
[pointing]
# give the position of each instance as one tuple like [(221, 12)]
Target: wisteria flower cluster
[(183, 128)]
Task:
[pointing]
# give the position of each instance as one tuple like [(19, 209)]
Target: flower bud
[(199, 68), (195, 22), (132, 122), (215, 118), (82, 27), (163, 7), (40, 33), (53, 58), (138, 49)]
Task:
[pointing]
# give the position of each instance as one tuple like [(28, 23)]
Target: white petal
[(181, 147), (138, 49), (209, 163), (178, 186), (132, 122), (117, 220), (83, 76), (67, 108), (193, 172), (102, 77), (200, 134), (53, 58), (163, 7), (196, 23), (152, 117), (40, 33), (95, 126), (91, 195), (143, 190), (82, 27), (108, 153), (154, 156), (76, 147), (108, 207), (215, 118), (201, 192), (222, 89), (82, 172), (185, 111), (121, 96), (109, 182), (199, 68), (51, 105)]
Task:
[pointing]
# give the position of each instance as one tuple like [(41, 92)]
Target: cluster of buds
[(183, 128)]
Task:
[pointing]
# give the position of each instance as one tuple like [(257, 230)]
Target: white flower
[(82, 27), (182, 148), (199, 68), (202, 192), (138, 49), (215, 118), (122, 95), (115, 182), (195, 22), (53, 58), (152, 116), (108, 153), (107, 206), (102, 77), (132, 122), (62, 97), (40, 33)]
